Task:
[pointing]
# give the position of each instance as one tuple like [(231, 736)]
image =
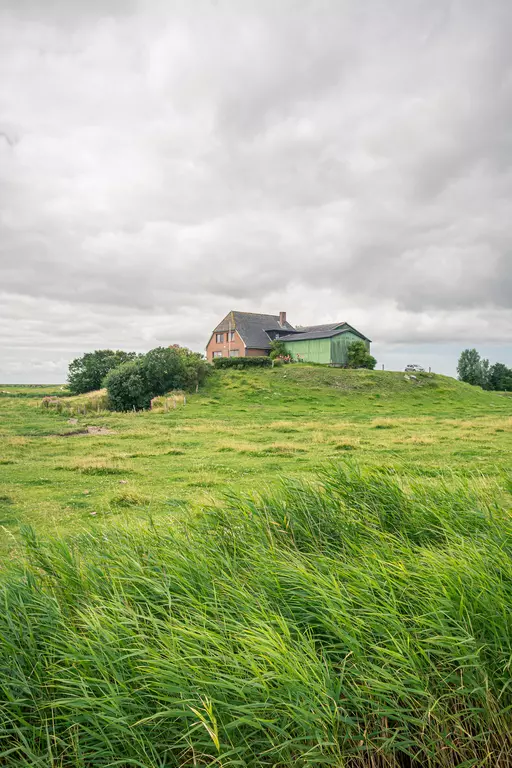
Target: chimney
[(282, 318)]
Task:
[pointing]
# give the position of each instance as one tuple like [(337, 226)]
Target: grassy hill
[(244, 430), (298, 567)]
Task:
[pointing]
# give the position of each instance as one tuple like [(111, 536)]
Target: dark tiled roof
[(322, 332), (251, 326)]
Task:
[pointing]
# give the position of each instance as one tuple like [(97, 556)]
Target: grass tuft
[(129, 497)]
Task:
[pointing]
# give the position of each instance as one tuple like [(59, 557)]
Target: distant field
[(242, 432)]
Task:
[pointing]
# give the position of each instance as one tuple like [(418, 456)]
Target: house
[(241, 334)]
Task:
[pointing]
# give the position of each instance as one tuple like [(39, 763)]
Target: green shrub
[(242, 362), (195, 368), (163, 370), (127, 388), (278, 349), (134, 385), (86, 373), (359, 357)]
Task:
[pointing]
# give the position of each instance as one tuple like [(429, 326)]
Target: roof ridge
[(253, 313)]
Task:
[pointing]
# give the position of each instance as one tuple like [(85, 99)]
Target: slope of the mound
[(315, 386)]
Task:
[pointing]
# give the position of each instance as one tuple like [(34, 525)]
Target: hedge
[(242, 362)]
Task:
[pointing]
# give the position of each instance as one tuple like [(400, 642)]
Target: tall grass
[(353, 622)]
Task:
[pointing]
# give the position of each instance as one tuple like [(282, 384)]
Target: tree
[(163, 369), (485, 369), (500, 378), (196, 368), (127, 387), (86, 373), (278, 349), (359, 357), (469, 368)]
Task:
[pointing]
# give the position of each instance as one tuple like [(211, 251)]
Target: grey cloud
[(161, 163)]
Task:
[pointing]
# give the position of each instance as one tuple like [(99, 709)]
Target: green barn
[(325, 344)]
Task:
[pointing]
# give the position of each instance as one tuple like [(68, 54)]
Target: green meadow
[(245, 430), (298, 566)]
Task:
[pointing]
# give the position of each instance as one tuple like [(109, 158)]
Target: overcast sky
[(162, 163)]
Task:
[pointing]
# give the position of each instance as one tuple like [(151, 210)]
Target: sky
[(165, 162)]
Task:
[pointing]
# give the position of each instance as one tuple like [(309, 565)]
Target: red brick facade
[(230, 343)]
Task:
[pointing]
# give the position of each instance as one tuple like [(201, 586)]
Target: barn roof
[(324, 327), (322, 332), (251, 326)]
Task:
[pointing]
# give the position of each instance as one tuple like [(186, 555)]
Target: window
[(234, 353), (219, 338), (231, 336), (217, 354)]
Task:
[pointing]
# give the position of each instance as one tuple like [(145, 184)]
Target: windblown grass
[(358, 621)]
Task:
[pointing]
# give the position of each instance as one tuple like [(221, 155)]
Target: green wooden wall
[(339, 346), (333, 350), (311, 351)]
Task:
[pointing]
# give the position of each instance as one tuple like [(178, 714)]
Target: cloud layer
[(162, 163)]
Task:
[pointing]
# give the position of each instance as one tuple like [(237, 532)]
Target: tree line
[(473, 369)]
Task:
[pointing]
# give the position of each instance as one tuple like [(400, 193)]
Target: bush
[(242, 362), (127, 388), (359, 357), (163, 369), (86, 373), (136, 384), (278, 349), (196, 368)]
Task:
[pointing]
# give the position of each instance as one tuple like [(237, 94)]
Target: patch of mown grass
[(361, 620)]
